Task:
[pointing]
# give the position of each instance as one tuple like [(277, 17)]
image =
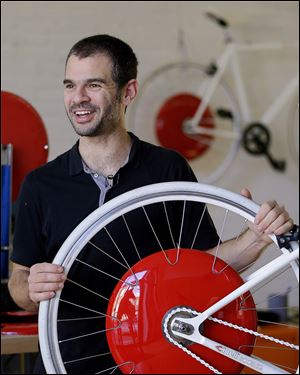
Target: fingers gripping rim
[(107, 213)]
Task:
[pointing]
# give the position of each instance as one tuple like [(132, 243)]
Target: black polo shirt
[(56, 197)]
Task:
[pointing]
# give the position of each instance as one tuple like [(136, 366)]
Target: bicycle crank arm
[(191, 332), (256, 140), (190, 129)]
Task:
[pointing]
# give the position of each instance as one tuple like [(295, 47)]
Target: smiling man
[(99, 83)]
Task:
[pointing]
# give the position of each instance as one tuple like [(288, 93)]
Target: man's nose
[(81, 95)]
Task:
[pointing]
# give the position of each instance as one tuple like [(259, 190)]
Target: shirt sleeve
[(28, 242), (178, 169)]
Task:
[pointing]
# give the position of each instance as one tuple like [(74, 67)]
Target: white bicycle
[(190, 108), (164, 307)]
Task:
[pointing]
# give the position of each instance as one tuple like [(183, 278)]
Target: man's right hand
[(44, 280)]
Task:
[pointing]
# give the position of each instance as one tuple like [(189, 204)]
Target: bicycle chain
[(193, 355), (219, 321), (266, 337)]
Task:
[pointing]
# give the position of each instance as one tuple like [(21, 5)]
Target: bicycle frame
[(229, 58), (191, 108), (195, 322)]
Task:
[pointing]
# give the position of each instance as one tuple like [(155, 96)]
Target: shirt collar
[(75, 161), (134, 155)]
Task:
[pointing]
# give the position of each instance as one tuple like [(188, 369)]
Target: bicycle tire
[(101, 217)]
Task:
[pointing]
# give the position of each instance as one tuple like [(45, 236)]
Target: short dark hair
[(123, 58)]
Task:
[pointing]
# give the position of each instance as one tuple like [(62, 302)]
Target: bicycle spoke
[(131, 237), (84, 358), (85, 308), (218, 246), (151, 226), (120, 252), (169, 226), (103, 272), (81, 336), (115, 367), (88, 289), (276, 323), (108, 255), (198, 227), (78, 319), (262, 285), (181, 225)]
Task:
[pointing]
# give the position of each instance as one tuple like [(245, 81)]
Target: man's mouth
[(84, 115)]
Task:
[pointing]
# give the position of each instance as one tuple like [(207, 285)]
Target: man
[(100, 82)]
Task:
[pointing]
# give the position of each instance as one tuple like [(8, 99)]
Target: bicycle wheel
[(171, 95), (113, 320)]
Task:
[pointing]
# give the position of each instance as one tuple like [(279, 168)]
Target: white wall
[(36, 37)]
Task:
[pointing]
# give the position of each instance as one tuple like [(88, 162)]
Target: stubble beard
[(107, 124)]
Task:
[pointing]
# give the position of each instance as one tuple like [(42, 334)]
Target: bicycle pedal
[(224, 113)]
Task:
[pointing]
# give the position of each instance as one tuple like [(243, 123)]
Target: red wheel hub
[(169, 125), (22, 126), (135, 314)]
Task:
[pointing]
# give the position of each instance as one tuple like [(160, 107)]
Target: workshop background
[(36, 37)]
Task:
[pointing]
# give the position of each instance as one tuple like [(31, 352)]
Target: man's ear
[(130, 91)]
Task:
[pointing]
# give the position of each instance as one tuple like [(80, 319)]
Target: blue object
[(4, 264), (5, 218)]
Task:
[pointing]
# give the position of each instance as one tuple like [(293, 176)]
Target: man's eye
[(94, 85), (69, 86)]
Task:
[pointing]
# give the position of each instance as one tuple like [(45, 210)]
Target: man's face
[(91, 96)]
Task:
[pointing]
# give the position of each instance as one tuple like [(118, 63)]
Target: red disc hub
[(170, 125), (137, 308)]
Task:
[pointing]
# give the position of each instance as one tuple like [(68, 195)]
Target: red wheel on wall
[(22, 126), (172, 94), (170, 121)]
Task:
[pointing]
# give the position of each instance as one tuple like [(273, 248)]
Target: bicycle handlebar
[(219, 20), (222, 23)]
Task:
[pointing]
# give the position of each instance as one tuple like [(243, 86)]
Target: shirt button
[(96, 175)]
